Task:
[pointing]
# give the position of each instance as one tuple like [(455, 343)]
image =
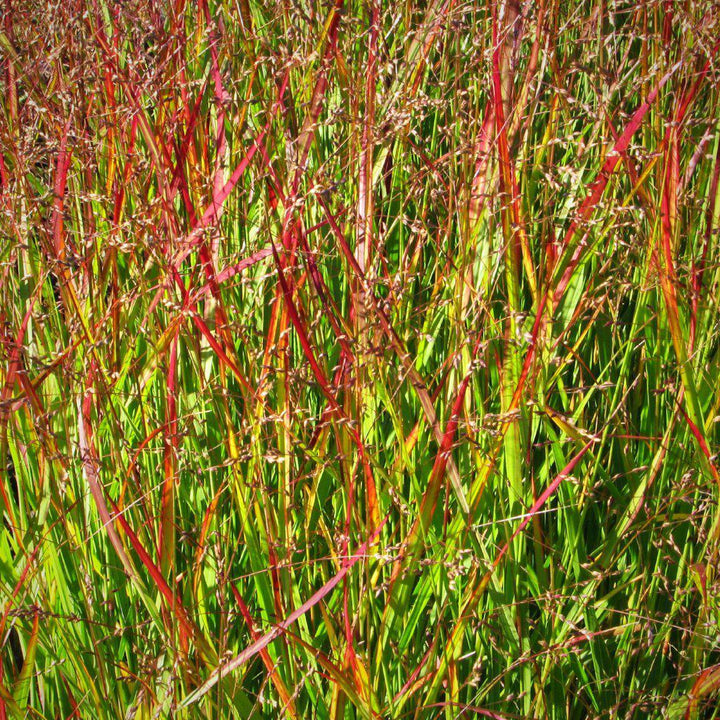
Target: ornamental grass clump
[(359, 359)]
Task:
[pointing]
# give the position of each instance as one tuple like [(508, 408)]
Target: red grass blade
[(598, 186), (262, 642)]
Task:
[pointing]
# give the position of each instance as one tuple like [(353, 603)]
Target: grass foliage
[(359, 359)]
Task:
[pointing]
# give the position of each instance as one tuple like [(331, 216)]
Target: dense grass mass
[(359, 359)]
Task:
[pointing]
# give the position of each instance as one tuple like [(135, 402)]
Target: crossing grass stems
[(359, 360)]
